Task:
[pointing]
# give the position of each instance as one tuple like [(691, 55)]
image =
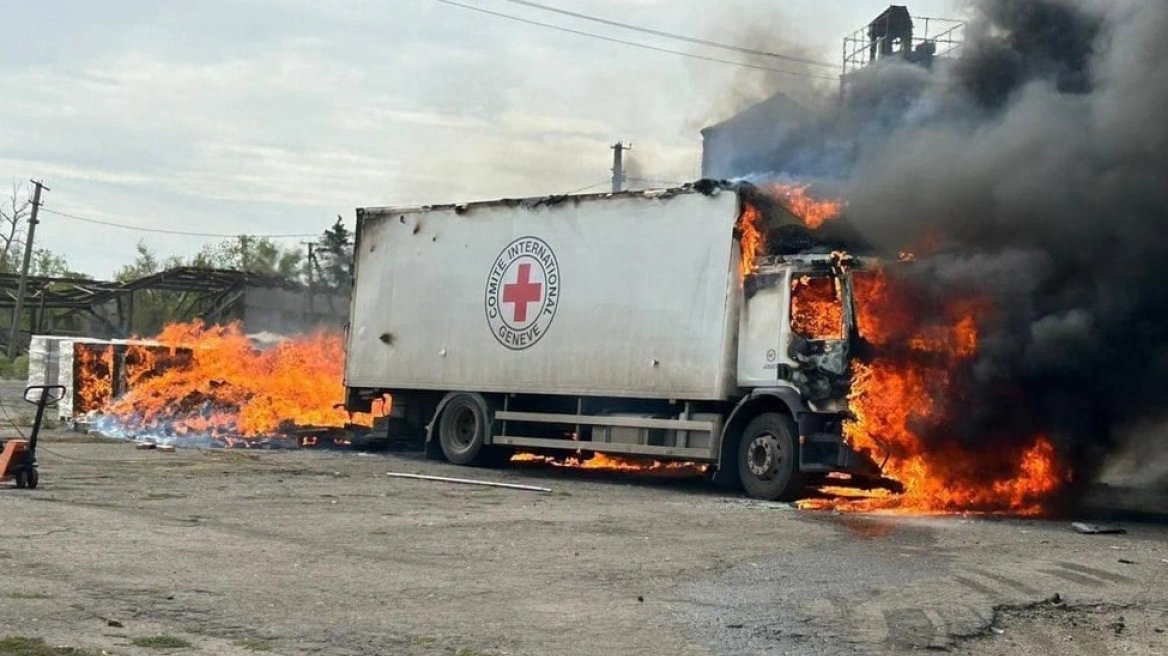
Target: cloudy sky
[(275, 116)]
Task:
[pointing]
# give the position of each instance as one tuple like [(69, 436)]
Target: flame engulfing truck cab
[(640, 323)]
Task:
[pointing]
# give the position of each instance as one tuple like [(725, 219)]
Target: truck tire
[(768, 458), (462, 429)]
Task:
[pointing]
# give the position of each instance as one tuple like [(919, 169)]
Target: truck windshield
[(817, 311)]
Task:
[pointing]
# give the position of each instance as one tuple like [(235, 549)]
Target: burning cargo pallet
[(95, 372), (222, 389), (99, 372)]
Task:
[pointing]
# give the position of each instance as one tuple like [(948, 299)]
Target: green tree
[(153, 308), (47, 263), (334, 257), (253, 254)]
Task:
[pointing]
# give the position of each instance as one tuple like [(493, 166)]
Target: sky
[(274, 117)]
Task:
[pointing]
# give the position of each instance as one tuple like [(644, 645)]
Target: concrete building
[(752, 140), (291, 311)]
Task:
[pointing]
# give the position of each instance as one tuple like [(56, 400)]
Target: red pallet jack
[(18, 455)]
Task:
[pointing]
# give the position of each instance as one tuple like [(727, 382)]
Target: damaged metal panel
[(633, 294)]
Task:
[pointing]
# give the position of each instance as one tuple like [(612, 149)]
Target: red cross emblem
[(522, 293)]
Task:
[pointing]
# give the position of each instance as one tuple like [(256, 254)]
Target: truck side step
[(603, 420), (675, 453)]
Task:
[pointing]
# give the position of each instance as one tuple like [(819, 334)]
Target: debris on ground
[(1097, 529)]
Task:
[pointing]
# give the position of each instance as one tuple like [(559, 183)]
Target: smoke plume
[(1037, 160), (1038, 157)]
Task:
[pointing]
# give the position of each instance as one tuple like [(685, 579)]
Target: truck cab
[(797, 333)]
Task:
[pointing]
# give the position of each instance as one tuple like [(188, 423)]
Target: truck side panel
[(631, 295)]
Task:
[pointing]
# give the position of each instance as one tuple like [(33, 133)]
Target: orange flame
[(816, 310), (814, 212), (227, 387), (750, 238), (605, 462), (93, 367), (909, 389), (751, 224)]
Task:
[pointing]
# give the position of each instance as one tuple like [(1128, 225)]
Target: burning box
[(75, 355), (95, 372)]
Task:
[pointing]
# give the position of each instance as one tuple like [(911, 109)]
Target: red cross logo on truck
[(523, 293)]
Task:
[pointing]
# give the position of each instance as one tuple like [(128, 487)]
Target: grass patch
[(425, 641), (16, 646), (161, 642), (26, 595), (469, 651), (254, 645), (159, 496)]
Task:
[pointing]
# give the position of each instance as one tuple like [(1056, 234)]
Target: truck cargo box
[(619, 295)]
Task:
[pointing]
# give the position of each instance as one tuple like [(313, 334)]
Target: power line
[(634, 44), (672, 35), (164, 231)]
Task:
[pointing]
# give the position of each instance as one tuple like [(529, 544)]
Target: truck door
[(821, 319), (762, 353)]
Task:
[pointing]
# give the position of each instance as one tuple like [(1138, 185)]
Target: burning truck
[(709, 323)]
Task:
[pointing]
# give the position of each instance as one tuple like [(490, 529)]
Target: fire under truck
[(626, 323)]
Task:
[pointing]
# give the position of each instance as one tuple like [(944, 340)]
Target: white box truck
[(616, 323)]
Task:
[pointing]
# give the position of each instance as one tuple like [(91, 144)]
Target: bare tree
[(13, 217)]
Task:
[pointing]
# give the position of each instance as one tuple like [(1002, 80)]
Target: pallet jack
[(18, 456)]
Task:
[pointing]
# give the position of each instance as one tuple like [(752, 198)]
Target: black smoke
[(1040, 158), (1045, 169)]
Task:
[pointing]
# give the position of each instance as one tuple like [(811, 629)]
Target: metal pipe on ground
[(469, 481)]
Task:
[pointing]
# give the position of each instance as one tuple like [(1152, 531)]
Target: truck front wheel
[(768, 458), (462, 429)]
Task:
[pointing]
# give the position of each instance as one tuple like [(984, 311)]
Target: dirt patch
[(1087, 630)]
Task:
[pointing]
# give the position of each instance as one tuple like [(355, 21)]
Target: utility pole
[(18, 311), (618, 166), (311, 283)]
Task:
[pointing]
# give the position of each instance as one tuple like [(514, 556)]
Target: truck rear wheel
[(462, 429), (768, 458)]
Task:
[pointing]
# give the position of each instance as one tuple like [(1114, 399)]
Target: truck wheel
[(768, 458), (462, 429)]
